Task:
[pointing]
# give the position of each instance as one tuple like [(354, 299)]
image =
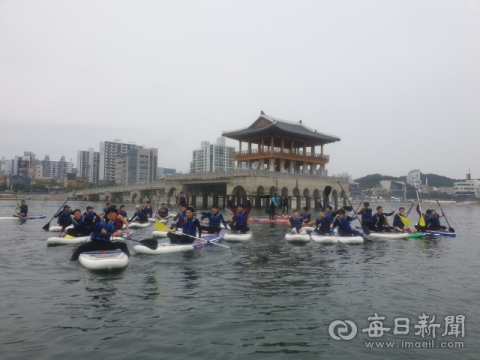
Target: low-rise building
[(467, 188)]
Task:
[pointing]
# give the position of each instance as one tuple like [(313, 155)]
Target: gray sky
[(397, 81)]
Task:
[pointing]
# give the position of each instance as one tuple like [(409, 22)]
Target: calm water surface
[(266, 299)]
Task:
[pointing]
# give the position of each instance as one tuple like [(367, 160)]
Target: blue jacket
[(98, 236), (79, 226), (141, 215)]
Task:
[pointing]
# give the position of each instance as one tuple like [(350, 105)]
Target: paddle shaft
[(145, 242), (208, 241), (411, 207), (444, 216), (56, 212), (365, 230)]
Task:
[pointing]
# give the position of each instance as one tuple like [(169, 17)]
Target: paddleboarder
[(23, 209)]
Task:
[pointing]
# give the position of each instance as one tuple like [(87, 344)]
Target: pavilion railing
[(269, 152)]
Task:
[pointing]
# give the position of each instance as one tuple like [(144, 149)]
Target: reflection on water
[(262, 298)]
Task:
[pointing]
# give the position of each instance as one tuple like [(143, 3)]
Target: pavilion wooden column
[(272, 160), (239, 163), (312, 164), (282, 161), (261, 161), (249, 162), (304, 154), (292, 162)]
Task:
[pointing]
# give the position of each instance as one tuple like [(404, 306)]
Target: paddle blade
[(327, 191), (451, 229), (46, 227), (366, 230), (69, 237), (405, 221), (159, 226), (421, 223), (150, 243)]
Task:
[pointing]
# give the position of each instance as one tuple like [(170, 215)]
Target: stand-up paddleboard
[(415, 235), (297, 237), (445, 233), (53, 241), (167, 248), (308, 228), (57, 228), (324, 239), (135, 225), (431, 235), (238, 237), (104, 260), (33, 217), (279, 221), (350, 239), (387, 235)]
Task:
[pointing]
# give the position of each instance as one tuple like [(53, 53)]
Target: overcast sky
[(397, 81)]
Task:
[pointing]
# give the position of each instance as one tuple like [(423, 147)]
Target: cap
[(67, 207), (89, 207)]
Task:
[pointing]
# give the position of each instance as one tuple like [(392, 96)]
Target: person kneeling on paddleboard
[(322, 224), (380, 220), (240, 217), (162, 213), (23, 210), (89, 216), (295, 221), (100, 237), (139, 216), (343, 223), (80, 226), (367, 217), (435, 222), (214, 220), (189, 224), (64, 217), (400, 222)]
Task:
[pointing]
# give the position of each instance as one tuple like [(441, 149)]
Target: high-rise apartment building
[(138, 166), (414, 179), (88, 165), (109, 150), (213, 157)]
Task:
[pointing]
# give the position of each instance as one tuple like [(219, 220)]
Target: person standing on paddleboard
[(100, 237), (23, 209), (182, 200), (367, 217), (273, 204), (285, 204)]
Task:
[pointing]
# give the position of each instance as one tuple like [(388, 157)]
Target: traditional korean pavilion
[(279, 145)]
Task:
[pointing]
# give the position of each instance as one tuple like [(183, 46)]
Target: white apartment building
[(88, 165), (109, 150), (213, 157), (414, 179)]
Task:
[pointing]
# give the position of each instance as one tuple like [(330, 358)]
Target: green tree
[(18, 187), (38, 187), (3, 186)]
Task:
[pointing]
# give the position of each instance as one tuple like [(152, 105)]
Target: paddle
[(159, 226), (326, 194), (150, 243), (408, 213), (47, 225), (421, 222), (208, 241), (449, 227), (366, 230)]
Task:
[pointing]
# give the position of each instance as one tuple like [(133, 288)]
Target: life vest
[(147, 211), (141, 215), (214, 219), (163, 212), (89, 217), (63, 218), (397, 222), (183, 199), (24, 209), (296, 222), (367, 216), (79, 225), (323, 223), (181, 216), (189, 227), (305, 216), (344, 224), (428, 219), (240, 219), (98, 236), (118, 223), (436, 220), (105, 210), (123, 213), (329, 215)]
